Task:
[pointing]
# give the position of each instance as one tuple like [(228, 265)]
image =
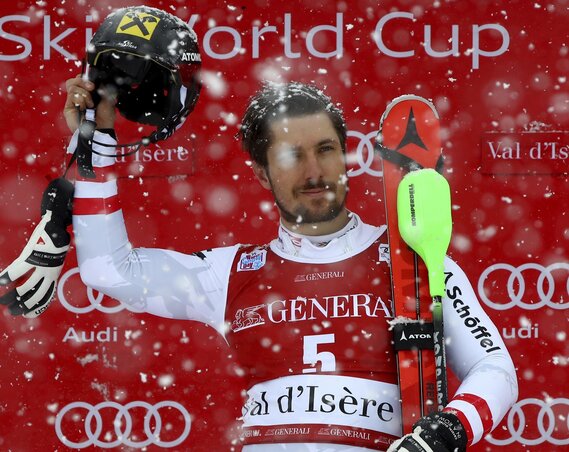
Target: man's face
[(306, 169)]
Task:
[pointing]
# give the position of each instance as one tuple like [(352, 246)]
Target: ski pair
[(418, 210)]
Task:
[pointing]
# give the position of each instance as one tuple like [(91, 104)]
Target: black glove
[(42, 258), (437, 432)]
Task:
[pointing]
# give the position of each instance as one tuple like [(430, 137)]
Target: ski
[(409, 140)]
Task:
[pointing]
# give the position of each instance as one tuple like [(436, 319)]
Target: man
[(318, 353)]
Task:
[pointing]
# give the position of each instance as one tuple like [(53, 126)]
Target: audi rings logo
[(547, 286), (364, 155), (122, 424), (549, 415), (94, 298)]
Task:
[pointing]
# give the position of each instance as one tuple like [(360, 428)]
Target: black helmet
[(152, 60)]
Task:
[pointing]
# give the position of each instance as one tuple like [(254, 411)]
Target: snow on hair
[(277, 100)]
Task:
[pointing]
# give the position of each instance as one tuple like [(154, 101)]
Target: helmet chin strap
[(83, 152), (84, 149)]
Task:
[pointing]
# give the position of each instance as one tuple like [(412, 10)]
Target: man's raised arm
[(161, 282)]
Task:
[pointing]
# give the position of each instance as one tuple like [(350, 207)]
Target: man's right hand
[(79, 98), (39, 265), (436, 432)]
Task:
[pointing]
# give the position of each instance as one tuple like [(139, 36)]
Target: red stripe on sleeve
[(95, 206), (482, 407)]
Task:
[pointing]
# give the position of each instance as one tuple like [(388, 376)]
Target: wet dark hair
[(279, 100)]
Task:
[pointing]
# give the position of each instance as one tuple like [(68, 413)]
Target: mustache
[(318, 185)]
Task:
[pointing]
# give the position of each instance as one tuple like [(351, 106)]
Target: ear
[(261, 175)]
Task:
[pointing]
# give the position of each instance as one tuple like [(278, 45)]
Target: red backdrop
[(506, 74)]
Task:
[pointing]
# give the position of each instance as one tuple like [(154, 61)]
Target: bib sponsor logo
[(383, 252), (300, 309), (346, 433), (291, 431), (314, 399), (348, 405), (247, 318), (138, 24), (331, 307), (318, 276), (252, 261), (251, 433)]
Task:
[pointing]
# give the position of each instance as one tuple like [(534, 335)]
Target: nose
[(312, 168)]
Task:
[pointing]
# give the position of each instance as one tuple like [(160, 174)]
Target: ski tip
[(410, 126), (408, 98)]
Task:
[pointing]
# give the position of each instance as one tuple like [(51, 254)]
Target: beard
[(328, 209)]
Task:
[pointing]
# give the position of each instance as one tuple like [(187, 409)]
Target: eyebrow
[(320, 143), (327, 141)]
